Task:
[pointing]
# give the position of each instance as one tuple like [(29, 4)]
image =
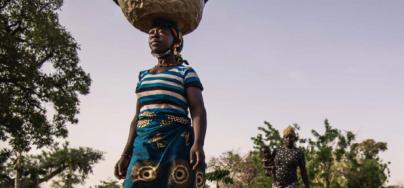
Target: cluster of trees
[(40, 81), (334, 158)]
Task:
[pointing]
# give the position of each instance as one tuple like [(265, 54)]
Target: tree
[(108, 184), (366, 168), (324, 156), (244, 171), (69, 165), (336, 160), (40, 81), (220, 175)]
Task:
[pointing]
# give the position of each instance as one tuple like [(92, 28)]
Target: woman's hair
[(289, 131), (178, 43)]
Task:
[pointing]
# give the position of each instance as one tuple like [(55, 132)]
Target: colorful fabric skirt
[(160, 156)]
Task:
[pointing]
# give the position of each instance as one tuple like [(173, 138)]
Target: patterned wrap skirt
[(161, 152)]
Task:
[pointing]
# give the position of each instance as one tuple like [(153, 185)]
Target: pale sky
[(283, 61)]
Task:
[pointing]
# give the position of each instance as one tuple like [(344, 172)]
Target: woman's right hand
[(122, 166), (265, 158)]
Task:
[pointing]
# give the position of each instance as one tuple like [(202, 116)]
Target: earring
[(175, 49)]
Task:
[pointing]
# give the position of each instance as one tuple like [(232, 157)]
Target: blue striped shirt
[(165, 92)]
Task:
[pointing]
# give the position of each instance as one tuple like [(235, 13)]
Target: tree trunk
[(17, 179), (328, 176), (327, 183), (18, 171)]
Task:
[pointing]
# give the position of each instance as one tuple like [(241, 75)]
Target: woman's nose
[(153, 33)]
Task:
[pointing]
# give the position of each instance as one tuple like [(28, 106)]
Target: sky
[(281, 61)]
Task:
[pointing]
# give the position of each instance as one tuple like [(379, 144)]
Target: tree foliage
[(108, 184), (244, 171), (68, 165), (325, 154), (366, 169), (39, 71), (40, 82), (220, 176)]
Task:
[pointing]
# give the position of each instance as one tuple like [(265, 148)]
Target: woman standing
[(162, 149), (282, 164)]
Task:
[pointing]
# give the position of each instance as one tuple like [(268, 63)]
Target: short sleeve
[(191, 79), (140, 77)]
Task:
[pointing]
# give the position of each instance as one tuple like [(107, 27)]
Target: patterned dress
[(287, 160), (164, 134)]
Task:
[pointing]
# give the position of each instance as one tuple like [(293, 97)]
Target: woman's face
[(289, 141), (160, 39)]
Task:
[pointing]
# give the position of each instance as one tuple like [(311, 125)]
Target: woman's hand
[(266, 160), (198, 116), (197, 156), (122, 166)]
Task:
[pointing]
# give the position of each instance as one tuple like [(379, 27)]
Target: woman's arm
[(198, 115), (123, 163), (127, 151), (303, 172)]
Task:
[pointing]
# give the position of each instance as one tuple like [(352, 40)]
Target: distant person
[(163, 149), (282, 163)]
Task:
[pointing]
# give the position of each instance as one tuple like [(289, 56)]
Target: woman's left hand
[(197, 156)]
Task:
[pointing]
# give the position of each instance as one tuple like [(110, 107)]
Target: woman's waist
[(165, 108), (153, 118)]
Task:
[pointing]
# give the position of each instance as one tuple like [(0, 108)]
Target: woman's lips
[(154, 42)]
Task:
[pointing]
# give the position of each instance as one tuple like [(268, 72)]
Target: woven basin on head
[(185, 13)]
